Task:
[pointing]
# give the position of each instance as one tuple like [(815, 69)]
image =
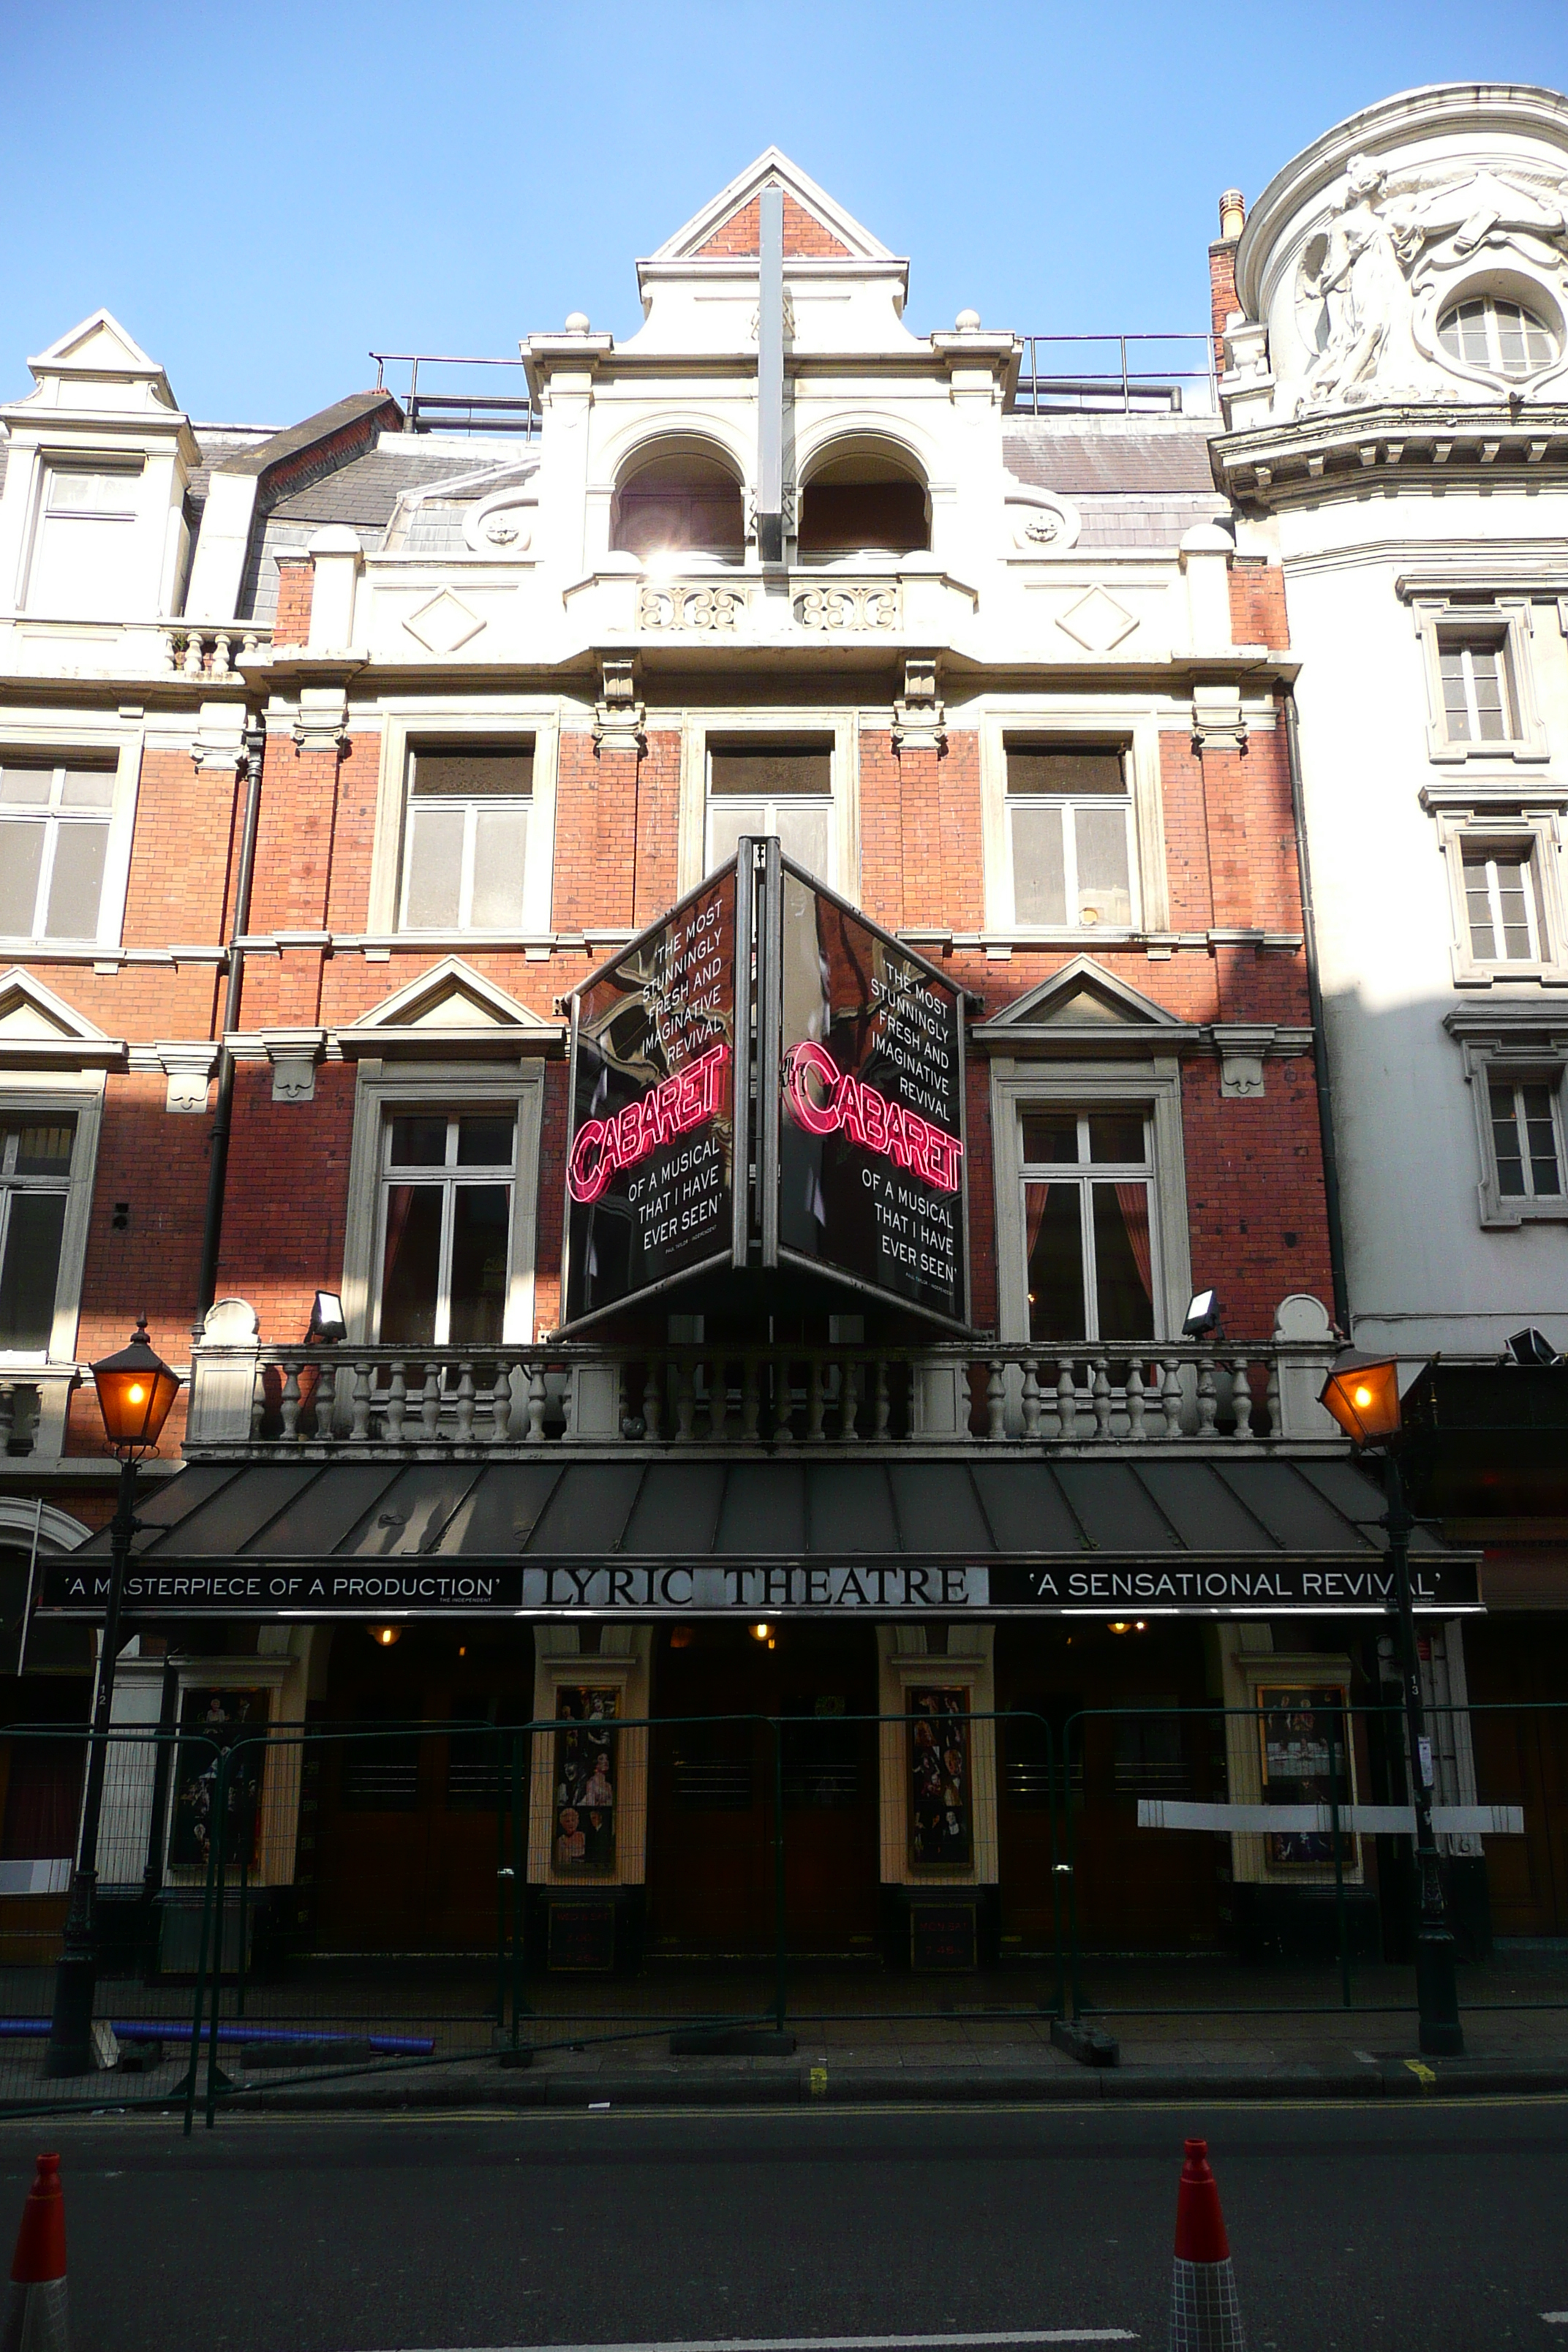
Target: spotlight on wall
[(1531, 1347), (1127, 1625), (327, 1318), (1203, 1315), (768, 1633), (384, 1636)]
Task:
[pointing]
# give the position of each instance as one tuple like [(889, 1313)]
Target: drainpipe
[(255, 740), (1320, 1034)]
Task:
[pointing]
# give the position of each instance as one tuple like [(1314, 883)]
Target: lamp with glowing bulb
[(135, 1390), (1362, 1392)]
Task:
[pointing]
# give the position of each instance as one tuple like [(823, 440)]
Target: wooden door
[(1521, 1758)]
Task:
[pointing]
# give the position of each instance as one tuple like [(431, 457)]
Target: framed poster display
[(658, 1081), (582, 1830), (211, 1723), (941, 1786), (870, 1180), (1306, 1760)]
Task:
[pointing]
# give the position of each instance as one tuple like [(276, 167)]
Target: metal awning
[(642, 1537)]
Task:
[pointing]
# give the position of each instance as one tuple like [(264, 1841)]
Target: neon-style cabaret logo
[(822, 1099), (673, 1107)]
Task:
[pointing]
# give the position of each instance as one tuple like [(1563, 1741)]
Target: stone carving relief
[(1040, 522), (1397, 251), (503, 523), (866, 605), (677, 604)]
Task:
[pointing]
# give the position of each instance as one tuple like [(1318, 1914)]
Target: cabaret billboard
[(764, 1077)]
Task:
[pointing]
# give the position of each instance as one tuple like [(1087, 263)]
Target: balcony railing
[(1128, 375), (354, 1402)]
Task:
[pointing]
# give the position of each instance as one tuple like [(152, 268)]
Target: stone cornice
[(1282, 463)]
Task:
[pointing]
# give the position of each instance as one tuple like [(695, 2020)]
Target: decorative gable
[(803, 234), (38, 1028), (1086, 1008), (815, 227), (453, 1008)]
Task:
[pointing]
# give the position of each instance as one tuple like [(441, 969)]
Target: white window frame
[(1506, 622), (1537, 833), (383, 1093), (1517, 1058), (47, 1095), (449, 1177), (430, 727), (1083, 1175), (720, 727), (130, 466), (1154, 1090), (63, 747), (1134, 730), (471, 807)]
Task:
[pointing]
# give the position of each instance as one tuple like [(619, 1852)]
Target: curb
[(802, 2087)]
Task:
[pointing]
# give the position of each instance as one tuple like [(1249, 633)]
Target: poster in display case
[(1306, 1760)]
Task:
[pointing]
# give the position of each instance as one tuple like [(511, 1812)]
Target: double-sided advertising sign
[(764, 1005)]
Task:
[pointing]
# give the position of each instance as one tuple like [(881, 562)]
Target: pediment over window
[(1085, 1008), (450, 1009), (40, 1029)]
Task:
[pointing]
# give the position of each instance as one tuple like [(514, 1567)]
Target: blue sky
[(263, 195)]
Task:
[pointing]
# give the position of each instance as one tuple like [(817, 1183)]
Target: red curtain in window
[(1132, 1199)]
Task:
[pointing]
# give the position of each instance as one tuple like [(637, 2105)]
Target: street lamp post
[(135, 1389), (1362, 1394)]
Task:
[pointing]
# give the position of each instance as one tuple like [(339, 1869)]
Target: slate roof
[(1141, 454)]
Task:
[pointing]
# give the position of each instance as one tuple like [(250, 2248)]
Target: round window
[(1492, 331)]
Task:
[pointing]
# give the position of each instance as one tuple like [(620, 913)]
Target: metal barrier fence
[(309, 1904)]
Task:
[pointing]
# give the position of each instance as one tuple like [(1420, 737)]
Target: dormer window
[(1488, 330), (681, 505), (86, 557)]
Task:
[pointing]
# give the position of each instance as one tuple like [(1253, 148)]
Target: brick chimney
[(1222, 261)]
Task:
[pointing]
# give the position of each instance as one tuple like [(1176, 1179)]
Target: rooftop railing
[(438, 410), (349, 1401)]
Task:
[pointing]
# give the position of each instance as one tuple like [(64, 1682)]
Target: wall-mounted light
[(1203, 1315), (768, 1633), (1532, 1347), (1127, 1625), (327, 1318), (384, 1636)]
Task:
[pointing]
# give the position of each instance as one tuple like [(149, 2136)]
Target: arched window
[(863, 503), (680, 505), (1492, 330)]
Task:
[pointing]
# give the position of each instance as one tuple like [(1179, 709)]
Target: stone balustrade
[(193, 651), (349, 1401)]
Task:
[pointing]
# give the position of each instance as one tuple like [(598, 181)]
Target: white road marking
[(842, 2343)]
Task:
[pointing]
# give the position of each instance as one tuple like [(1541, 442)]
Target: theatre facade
[(686, 1000)]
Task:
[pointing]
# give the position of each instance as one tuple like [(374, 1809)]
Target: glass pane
[(1455, 708), (77, 884), (485, 1141), (472, 769), (28, 787), (765, 769), (1479, 907), (30, 1269), (75, 489), (1103, 895), (1486, 664), (1085, 768), (804, 832), (420, 1141), (1510, 338), (479, 1223), (1540, 1134), (434, 867), (727, 820), (1505, 1142), (87, 788), (1053, 1222), (1473, 332), (1039, 871), (41, 1149), (1123, 1277), (1051, 1138), (1513, 905), (411, 1264), (1116, 1135), (21, 855), (501, 844)]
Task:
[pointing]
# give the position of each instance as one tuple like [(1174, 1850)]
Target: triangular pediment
[(814, 225), (1082, 996), (100, 345), (31, 1013), (450, 996)]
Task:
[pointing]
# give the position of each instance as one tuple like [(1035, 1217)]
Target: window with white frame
[(1479, 701), (1488, 330), (88, 560), (1505, 907), (1069, 835), (1087, 1234), (446, 1222), (37, 1149), (783, 787), (1505, 882), (465, 837), (1525, 1118), (54, 845)]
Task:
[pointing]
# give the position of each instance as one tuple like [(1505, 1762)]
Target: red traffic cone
[(36, 2310), (1204, 2313)]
